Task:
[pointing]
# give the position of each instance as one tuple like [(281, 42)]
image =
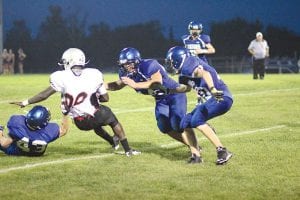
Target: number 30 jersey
[(78, 90), (28, 142)]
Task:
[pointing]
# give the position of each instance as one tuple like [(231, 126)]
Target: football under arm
[(64, 128)]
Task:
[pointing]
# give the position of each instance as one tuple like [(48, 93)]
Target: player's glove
[(217, 94), (157, 90)]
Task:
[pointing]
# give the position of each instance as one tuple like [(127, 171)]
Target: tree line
[(102, 44)]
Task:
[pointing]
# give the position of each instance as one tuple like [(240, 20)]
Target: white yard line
[(241, 94), (61, 161), (174, 144)]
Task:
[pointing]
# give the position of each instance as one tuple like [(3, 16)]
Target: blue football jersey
[(28, 142), (199, 43), (189, 66), (145, 69)]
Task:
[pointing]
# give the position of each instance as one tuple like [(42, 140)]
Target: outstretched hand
[(18, 103)]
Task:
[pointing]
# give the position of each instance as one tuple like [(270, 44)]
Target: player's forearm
[(64, 126), (113, 86), (41, 96), (180, 89)]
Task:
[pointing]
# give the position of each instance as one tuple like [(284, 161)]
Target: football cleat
[(195, 159), (223, 155), (132, 152)]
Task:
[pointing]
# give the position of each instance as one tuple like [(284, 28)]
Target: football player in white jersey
[(82, 89)]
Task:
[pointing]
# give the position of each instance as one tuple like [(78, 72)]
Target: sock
[(125, 145)]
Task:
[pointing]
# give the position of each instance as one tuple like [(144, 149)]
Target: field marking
[(28, 166), (238, 94), (174, 144)]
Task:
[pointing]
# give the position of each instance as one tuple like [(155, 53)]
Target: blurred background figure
[(196, 42), (21, 58), (11, 61), (259, 49), (5, 61)]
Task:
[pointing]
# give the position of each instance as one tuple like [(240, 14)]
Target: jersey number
[(37, 146), (69, 99)]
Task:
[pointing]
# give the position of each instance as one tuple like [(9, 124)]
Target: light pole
[(1, 35)]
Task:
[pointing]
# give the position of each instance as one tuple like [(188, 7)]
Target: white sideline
[(60, 161)]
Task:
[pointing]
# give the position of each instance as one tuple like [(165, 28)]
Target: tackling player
[(82, 90), (140, 74), (216, 97), (198, 44), (29, 135)]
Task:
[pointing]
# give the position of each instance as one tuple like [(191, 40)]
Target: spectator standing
[(5, 61), (21, 58), (259, 49), (11, 61)]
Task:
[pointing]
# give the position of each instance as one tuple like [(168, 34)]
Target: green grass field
[(262, 130)]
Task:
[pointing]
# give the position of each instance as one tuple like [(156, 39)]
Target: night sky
[(175, 13)]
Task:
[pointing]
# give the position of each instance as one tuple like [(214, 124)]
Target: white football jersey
[(77, 90)]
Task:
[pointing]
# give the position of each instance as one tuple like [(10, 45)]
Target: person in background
[(21, 58), (30, 134), (216, 97), (11, 61), (5, 61), (196, 42), (259, 49)]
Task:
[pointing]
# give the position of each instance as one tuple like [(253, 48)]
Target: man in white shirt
[(259, 49)]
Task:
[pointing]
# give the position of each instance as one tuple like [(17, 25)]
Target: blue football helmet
[(176, 56), (129, 55), (38, 117), (195, 26)]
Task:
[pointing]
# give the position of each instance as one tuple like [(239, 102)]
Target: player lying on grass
[(29, 135), (82, 90), (216, 97)]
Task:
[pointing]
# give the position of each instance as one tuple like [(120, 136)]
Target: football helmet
[(195, 26), (72, 57), (176, 56), (38, 117), (129, 55)]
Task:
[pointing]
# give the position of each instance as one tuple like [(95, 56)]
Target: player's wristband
[(25, 103), (1, 128)]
